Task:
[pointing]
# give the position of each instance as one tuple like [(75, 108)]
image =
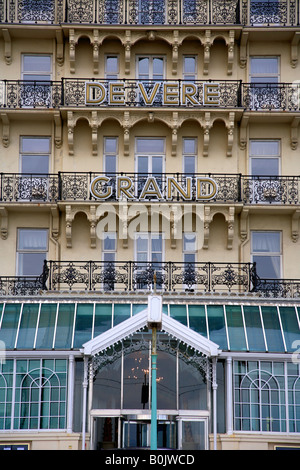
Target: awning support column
[(84, 399), (70, 394), (215, 388), (229, 411)]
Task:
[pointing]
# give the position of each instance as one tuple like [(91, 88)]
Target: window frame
[(270, 253), (21, 251), (184, 73), (48, 73), (106, 72), (264, 75), (269, 156)]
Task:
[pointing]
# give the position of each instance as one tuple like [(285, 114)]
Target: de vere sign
[(173, 93), (123, 188)]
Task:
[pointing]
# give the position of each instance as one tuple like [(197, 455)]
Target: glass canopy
[(68, 325)]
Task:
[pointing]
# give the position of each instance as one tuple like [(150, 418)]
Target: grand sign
[(166, 93), (153, 188)]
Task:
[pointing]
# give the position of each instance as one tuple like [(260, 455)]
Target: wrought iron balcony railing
[(70, 187), (151, 12), (130, 93), (130, 276)]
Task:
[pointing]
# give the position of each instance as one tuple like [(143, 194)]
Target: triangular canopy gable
[(139, 321)]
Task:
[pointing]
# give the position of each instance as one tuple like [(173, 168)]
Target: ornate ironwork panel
[(195, 12), (30, 94), (81, 11), (225, 12), (28, 187), (269, 12), (110, 11), (271, 96), (36, 11), (279, 288), (270, 190)]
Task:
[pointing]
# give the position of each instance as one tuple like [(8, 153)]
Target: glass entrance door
[(137, 434), (193, 434)]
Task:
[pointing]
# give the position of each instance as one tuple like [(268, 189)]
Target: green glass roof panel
[(64, 329), (272, 329), (121, 313), (103, 318), (254, 331), (290, 327), (46, 326), (235, 324), (137, 308), (9, 325), (178, 312), (83, 324), (216, 325), (197, 319), (28, 325)]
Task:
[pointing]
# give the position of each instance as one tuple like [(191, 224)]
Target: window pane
[(192, 388), (264, 65), (36, 63), (235, 325), (136, 372), (83, 324), (142, 243), (10, 324), (150, 146), (189, 146), (144, 66), (166, 381), (32, 239), (107, 387), (272, 329), (216, 325), (35, 144), (266, 242), (103, 318), (64, 326), (110, 145), (265, 166), (46, 326), (142, 164), (158, 68), (31, 264), (112, 64), (121, 313), (197, 319), (110, 164), (109, 242), (254, 329), (290, 327), (189, 65), (156, 243), (267, 267), (264, 148), (28, 326), (178, 312), (35, 164), (189, 164), (157, 165), (189, 242)]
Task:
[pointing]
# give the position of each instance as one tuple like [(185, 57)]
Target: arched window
[(41, 395)]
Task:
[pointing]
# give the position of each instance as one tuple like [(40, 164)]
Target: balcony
[(75, 187), (132, 277), (151, 12), (133, 94)]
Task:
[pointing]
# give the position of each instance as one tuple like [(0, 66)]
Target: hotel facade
[(149, 146)]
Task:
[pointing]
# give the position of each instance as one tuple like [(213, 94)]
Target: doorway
[(137, 434)]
